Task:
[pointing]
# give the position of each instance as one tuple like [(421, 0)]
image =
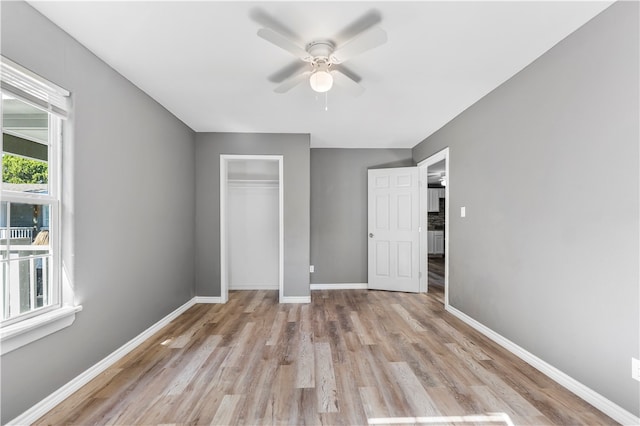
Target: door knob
[(370, 235)]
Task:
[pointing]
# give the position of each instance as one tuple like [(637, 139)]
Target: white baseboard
[(608, 407), (340, 286), (208, 299), (47, 404), (295, 299)]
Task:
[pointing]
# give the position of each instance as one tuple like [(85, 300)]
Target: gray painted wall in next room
[(128, 210), (547, 166), (295, 149), (339, 210)]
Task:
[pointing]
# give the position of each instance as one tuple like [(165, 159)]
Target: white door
[(394, 239)]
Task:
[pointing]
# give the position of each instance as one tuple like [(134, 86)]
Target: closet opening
[(251, 223)]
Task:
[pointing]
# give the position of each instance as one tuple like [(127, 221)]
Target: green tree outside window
[(23, 170)]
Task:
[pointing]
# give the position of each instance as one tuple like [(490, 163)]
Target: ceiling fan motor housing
[(320, 50)]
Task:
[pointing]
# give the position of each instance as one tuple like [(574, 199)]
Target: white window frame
[(30, 88), (52, 199)]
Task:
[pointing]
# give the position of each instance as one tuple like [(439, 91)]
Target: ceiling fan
[(441, 177), (324, 59)]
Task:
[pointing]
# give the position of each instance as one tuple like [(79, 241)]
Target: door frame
[(224, 183), (424, 194)]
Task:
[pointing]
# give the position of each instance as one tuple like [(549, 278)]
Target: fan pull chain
[(326, 97)]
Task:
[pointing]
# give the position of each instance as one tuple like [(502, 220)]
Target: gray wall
[(547, 166), (295, 149), (129, 188), (339, 209)]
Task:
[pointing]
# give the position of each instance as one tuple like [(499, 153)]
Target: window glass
[(26, 251), (4, 231), (28, 273), (25, 147)]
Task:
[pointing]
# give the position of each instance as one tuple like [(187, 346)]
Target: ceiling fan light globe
[(321, 81)]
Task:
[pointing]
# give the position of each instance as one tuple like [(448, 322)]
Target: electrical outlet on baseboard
[(312, 269), (635, 368)]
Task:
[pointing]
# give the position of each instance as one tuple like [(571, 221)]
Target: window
[(31, 295)]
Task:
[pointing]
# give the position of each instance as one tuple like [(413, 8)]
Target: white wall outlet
[(312, 269), (635, 368), (463, 211)]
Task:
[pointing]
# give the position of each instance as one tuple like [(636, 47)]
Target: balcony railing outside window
[(26, 260), (29, 284), (17, 232)]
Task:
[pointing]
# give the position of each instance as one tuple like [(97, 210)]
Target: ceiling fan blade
[(284, 43), (291, 82), (345, 82), (367, 40), (294, 68), (347, 71), (358, 26), (262, 17)]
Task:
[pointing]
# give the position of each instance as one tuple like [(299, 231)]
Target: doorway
[(251, 223), (434, 219)]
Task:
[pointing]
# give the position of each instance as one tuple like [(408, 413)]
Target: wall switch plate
[(635, 368), (463, 211), (312, 269)]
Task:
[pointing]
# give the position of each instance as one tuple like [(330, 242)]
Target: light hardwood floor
[(436, 271), (350, 357)]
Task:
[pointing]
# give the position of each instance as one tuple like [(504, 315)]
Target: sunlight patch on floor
[(478, 418)]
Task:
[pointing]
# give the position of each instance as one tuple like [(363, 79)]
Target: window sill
[(27, 331)]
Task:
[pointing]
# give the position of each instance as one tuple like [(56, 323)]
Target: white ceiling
[(204, 62)]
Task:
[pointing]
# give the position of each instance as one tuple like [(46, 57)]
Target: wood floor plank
[(239, 350), (326, 390), (257, 395), (279, 407), (494, 404), (191, 369), (505, 392), (406, 316), (255, 301), (347, 358), (226, 410), (146, 390), (420, 403), (384, 382), (305, 362), (83, 396), (210, 376), (361, 331), (205, 411), (447, 404), (351, 407), (462, 340), (373, 403), (293, 313), (276, 328)]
